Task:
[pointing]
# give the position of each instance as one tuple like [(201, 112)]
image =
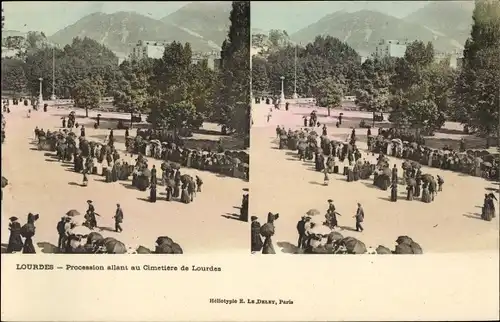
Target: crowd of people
[(80, 235), (475, 163)]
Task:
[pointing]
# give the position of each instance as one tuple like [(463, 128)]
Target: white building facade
[(390, 48)]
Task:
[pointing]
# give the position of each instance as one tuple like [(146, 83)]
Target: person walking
[(118, 218), (301, 230), (360, 216)]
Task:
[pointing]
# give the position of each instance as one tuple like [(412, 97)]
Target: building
[(455, 58), (390, 48), (148, 49), (155, 49), (212, 59)]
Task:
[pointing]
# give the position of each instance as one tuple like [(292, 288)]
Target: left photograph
[(125, 127)]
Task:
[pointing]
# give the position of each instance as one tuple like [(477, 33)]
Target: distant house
[(390, 48), (148, 49), (455, 58)]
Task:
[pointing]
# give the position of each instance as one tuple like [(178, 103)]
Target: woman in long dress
[(268, 247), (15, 240), (28, 232), (255, 239), (152, 193)]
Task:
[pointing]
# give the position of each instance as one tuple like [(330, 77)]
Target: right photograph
[(375, 127)]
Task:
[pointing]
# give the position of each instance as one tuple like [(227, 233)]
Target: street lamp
[(295, 96), (282, 96), (40, 97)]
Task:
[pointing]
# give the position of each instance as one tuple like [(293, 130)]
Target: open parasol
[(176, 165), (312, 212), (143, 250), (320, 229), (404, 240), (164, 249), (313, 133), (403, 249), (176, 248), (115, 247), (73, 213), (416, 249), (398, 141), (164, 240), (94, 238), (353, 245), (80, 231), (334, 236), (382, 250), (487, 164)]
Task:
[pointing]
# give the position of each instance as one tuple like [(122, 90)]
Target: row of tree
[(420, 91), (175, 92)]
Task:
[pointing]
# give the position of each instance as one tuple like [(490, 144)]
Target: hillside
[(120, 31), (450, 18), (364, 29), (205, 20)]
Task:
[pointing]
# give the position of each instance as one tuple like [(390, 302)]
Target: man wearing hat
[(15, 240), (301, 229), (63, 226), (90, 216), (255, 237), (331, 206), (360, 216), (118, 218)]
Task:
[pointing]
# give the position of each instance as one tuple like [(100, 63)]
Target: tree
[(87, 95), (13, 77), (329, 93), (233, 97), (476, 94), (373, 94), (173, 116), (132, 91), (260, 79)]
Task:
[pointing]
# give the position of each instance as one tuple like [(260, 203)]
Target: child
[(326, 179)]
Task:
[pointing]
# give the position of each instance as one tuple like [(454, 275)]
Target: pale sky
[(51, 16), (292, 16)]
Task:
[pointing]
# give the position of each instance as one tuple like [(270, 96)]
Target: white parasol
[(320, 229), (80, 230)]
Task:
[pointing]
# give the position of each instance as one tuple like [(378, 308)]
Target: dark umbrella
[(164, 240), (73, 213), (176, 165), (353, 245), (334, 236), (143, 250), (163, 249), (115, 247), (313, 133), (403, 249), (404, 240), (146, 172), (176, 248), (382, 250), (94, 238), (5, 182), (99, 114), (416, 248)]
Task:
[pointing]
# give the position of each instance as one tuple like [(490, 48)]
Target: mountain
[(455, 23), (121, 30), (364, 29), (205, 20)]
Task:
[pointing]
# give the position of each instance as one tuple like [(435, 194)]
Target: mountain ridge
[(119, 31)]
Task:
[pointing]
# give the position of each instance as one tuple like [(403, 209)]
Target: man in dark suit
[(360, 216), (118, 218), (301, 229)]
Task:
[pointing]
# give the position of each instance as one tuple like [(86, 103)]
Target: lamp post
[(40, 97), (295, 96), (282, 96), (53, 96)]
